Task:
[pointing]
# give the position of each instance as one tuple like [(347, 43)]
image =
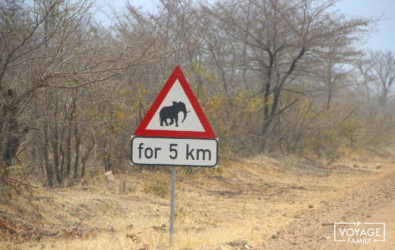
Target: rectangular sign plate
[(198, 152)]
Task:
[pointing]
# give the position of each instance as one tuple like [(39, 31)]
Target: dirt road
[(367, 202)]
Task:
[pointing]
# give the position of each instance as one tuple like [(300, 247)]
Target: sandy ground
[(367, 202), (260, 203)]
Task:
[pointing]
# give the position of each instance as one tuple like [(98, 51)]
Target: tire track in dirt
[(370, 202)]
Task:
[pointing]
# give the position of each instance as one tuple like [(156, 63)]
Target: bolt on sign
[(175, 131)]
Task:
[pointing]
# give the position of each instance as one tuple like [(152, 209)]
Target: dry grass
[(249, 200)]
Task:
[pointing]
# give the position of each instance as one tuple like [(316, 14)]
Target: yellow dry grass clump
[(243, 202)]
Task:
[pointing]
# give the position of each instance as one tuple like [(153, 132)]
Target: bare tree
[(377, 75), (281, 37), (383, 71), (332, 67), (54, 44), (268, 73), (36, 42)]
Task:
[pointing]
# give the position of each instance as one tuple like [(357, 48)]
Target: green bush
[(157, 185)]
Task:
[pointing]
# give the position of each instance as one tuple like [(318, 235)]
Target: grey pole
[(173, 197)]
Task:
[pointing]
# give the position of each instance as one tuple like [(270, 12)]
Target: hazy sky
[(383, 38)]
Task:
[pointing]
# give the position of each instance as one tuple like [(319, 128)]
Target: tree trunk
[(55, 144), (48, 166), (68, 145), (328, 103), (69, 114), (10, 128), (77, 150), (12, 142), (266, 104)]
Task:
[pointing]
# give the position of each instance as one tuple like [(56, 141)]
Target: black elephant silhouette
[(171, 112)]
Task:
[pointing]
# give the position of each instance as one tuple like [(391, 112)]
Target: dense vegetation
[(273, 76)]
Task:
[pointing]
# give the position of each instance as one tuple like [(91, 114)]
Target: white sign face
[(174, 151), (175, 100)]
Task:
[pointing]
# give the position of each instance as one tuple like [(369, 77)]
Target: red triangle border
[(142, 128)]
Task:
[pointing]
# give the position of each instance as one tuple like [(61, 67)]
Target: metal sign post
[(172, 201), (175, 132)]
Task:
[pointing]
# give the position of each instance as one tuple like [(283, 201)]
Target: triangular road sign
[(175, 112)]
